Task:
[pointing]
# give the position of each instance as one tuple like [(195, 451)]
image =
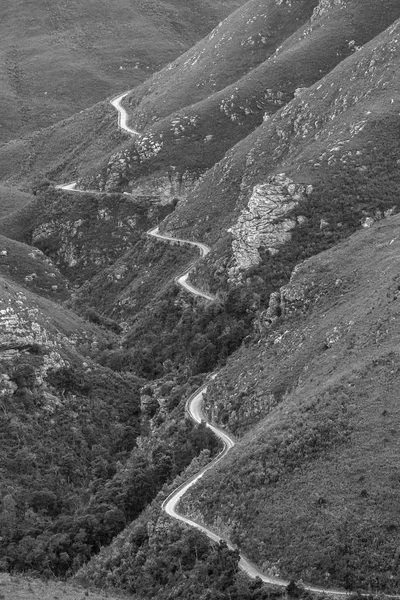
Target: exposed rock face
[(167, 187), (263, 223), (22, 335), (37, 337), (22, 325), (324, 6), (235, 108), (114, 176), (293, 297)]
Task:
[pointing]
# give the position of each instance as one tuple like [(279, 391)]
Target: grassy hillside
[(272, 49), (196, 134), (59, 58), (12, 200), (240, 43), (311, 489), (58, 151), (335, 126)]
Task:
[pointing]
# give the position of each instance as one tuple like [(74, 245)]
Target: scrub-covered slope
[(311, 490)]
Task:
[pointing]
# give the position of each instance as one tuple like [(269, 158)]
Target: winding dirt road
[(182, 279), (195, 411), (122, 114), (194, 408)]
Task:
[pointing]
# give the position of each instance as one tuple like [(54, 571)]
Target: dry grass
[(28, 588), (12, 200)]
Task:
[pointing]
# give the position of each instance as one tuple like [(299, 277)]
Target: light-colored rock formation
[(263, 223), (323, 7)]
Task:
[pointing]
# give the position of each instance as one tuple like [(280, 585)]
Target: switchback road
[(195, 410), (182, 279)]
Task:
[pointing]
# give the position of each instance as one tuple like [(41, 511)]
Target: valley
[(201, 322)]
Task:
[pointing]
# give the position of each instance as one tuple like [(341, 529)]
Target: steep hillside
[(58, 151), (202, 126), (12, 200), (50, 389), (33, 270), (311, 491), (337, 138), (58, 58), (262, 56), (240, 43)]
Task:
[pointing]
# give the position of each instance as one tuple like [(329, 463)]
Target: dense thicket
[(74, 472)]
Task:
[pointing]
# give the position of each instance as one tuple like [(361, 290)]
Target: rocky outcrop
[(265, 223), (26, 345), (115, 175), (296, 296), (324, 7), (236, 108), (23, 327), (37, 339), (166, 187)]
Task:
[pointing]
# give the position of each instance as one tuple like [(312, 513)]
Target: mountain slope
[(311, 489), (342, 127), (263, 79), (240, 43), (194, 137)]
